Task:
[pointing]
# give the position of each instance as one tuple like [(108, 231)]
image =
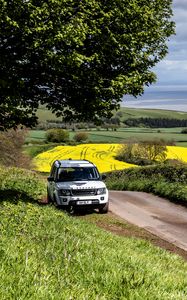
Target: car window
[(77, 173)]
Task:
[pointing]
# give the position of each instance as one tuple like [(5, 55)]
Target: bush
[(11, 148), (57, 135), (143, 153), (80, 136)]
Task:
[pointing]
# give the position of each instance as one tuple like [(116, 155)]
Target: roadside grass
[(169, 181), (47, 254)]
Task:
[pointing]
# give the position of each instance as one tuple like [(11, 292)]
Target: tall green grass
[(47, 254)]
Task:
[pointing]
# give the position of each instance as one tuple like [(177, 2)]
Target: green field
[(48, 254), (124, 134), (139, 134)]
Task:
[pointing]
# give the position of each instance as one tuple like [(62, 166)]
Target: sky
[(170, 91)]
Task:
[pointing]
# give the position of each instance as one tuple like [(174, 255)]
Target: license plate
[(82, 202)]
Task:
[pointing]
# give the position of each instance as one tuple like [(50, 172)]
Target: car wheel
[(55, 202), (103, 209), (71, 210), (49, 199)]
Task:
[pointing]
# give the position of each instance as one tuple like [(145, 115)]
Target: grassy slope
[(44, 114), (151, 113), (46, 254)]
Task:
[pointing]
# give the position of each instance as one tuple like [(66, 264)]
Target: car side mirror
[(50, 178), (103, 176)]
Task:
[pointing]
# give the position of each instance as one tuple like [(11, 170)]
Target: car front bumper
[(82, 201)]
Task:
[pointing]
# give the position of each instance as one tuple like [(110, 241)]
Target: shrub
[(11, 148), (154, 150), (80, 136), (143, 153), (57, 135)]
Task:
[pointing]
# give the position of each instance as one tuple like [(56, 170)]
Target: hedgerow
[(169, 181)]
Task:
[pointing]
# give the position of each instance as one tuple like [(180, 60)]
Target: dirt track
[(156, 215)]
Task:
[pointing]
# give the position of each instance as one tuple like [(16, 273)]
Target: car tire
[(49, 199), (103, 209), (71, 210), (55, 202)]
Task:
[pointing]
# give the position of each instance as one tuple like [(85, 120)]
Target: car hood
[(81, 185)]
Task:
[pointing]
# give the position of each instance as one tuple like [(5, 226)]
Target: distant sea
[(170, 99)]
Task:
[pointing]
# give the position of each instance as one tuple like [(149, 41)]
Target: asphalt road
[(157, 215)]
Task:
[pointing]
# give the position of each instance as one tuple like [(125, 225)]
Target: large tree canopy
[(77, 57)]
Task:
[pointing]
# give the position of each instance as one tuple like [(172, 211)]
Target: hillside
[(124, 114), (151, 113), (47, 254)]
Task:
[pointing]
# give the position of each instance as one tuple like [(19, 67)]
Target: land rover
[(77, 183)]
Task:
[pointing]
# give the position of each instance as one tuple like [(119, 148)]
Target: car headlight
[(101, 191), (64, 192)]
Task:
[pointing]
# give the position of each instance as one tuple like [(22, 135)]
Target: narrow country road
[(157, 215)]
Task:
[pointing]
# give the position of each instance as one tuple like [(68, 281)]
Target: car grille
[(82, 192)]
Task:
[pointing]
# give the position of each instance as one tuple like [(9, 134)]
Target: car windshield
[(77, 173)]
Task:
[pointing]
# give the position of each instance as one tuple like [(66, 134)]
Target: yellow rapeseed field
[(102, 155), (175, 152)]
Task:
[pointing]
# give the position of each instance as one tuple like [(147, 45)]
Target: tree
[(143, 153), (154, 150), (57, 135), (77, 57)]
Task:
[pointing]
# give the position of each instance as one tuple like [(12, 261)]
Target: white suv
[(77, 183)]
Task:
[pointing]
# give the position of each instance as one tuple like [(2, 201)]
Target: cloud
[(170, 91), (173, 69), (174, 64), (180, 4), (180, 13)]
